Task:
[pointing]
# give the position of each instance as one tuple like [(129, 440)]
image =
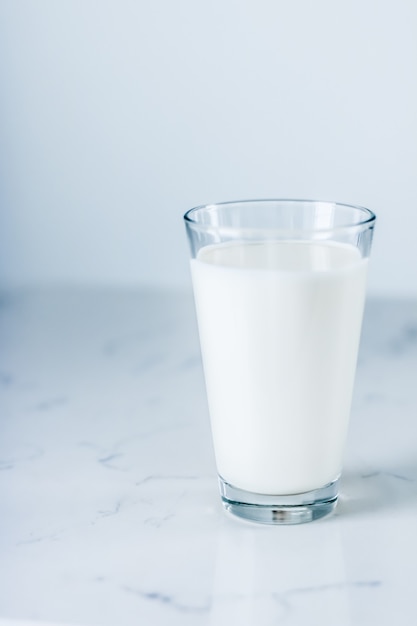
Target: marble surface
[(110, 513)]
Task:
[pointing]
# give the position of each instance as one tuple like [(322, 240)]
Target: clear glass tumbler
[(279, 288)]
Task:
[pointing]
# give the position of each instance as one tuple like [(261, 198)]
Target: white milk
[(279, 328)]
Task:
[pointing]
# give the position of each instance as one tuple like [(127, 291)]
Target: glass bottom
[(271, 509)]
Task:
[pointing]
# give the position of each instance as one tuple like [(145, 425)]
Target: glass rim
[(368, 216)]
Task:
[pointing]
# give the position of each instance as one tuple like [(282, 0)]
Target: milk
[(279, 326)]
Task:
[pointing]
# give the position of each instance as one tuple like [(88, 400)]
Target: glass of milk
[(279, 288)]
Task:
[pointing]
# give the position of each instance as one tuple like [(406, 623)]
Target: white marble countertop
[(110, 512)]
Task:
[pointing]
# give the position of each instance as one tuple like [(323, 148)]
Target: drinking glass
[(279, 289)]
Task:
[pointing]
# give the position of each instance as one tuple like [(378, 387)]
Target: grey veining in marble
[(110, 513)]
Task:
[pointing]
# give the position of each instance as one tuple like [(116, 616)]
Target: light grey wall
[(117, 116)]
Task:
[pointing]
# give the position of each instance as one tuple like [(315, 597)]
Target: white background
[(117, 116)]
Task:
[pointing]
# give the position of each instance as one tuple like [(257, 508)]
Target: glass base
[(271, 509)]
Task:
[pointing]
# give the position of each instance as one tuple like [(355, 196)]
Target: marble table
[(110, 513)]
